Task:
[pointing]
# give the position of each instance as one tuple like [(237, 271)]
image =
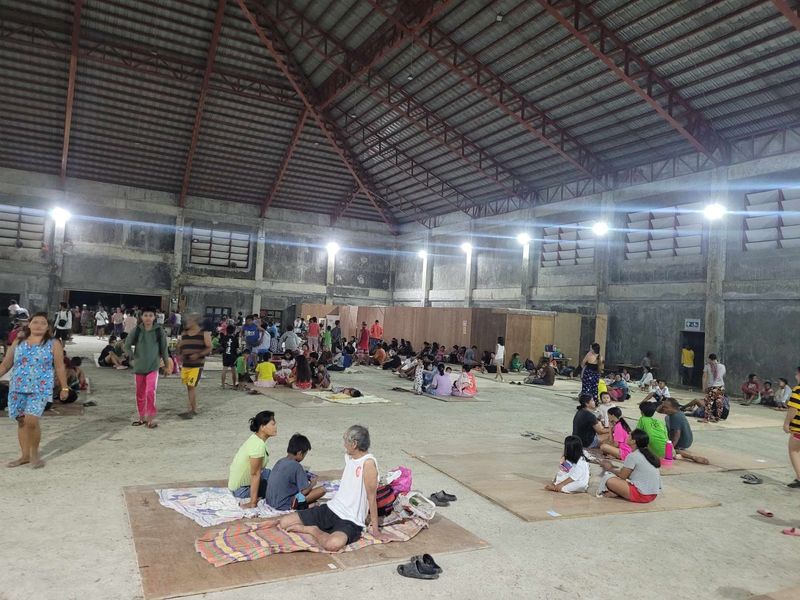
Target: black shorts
[(329, 522), (228, 361)]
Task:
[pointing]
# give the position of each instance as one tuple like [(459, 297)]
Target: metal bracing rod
[(201, 100), (73, 70), (792, 14), (328, 129), (284, 166), (630, 68)]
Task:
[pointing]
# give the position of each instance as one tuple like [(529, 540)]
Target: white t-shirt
[(717, 381), (101, 317), (661, 393), (499, 353), (782, 395), (350, 502), (579, 473)]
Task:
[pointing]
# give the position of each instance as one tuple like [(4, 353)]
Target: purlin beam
[(481, 79), (792, 15), (201, 100), (73, 70), (282, 59), (634, 71), (388, 36), (405, 106), (284, 166)]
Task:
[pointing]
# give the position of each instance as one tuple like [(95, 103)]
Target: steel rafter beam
[(286, 65), (792, 14), (284, 166), (43, 33), (73, 71), (386, 38), (481, 79), (634, 71), (404, 106), (201, 100)]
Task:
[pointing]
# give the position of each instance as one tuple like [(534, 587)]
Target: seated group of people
[(287, 486), (437, 379), (298, 371), (766, 394), (602, 429)]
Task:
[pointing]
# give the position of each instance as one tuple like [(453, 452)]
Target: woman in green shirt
[(247, 476), (147, 347)]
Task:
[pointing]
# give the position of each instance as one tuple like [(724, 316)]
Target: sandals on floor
[(137, 423), (427, 560), (445, 496), (793, 531), (416, 569), (764, 512), (439, 500), (751, 479), (531, 434)]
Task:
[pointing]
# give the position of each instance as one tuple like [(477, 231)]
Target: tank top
[(191, 344), (350, 502), (33, 369)]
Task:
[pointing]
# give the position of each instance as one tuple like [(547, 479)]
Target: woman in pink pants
[(147, 345)]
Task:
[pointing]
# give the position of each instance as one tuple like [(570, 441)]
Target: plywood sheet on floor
[(744, 420), (170, 567), (293, 398), (516, 480), (787, 594)]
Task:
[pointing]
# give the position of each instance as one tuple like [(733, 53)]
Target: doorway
[(112, 299), (696, 341)]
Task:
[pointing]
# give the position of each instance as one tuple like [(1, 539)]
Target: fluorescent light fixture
[(600, 228), (422, 254), (60, 215), (466, 247), (714, 211), (524, 238), (332, 247)]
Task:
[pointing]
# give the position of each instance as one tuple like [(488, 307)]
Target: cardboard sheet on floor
[(293, 398), (343, 399), (787, 594), (518, 485), (439, 398), (749, 419), (170, 567)]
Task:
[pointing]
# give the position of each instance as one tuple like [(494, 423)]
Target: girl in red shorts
[(638, 480)]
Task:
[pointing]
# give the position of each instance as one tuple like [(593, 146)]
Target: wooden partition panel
[(488, 325), (519, 336), (568, 335), (317, 310), (370, 314), (348, 317), (600, 332), (543, 327)]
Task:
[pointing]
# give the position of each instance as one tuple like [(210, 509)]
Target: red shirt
[(363, 341), (376, 331), (313, 329)]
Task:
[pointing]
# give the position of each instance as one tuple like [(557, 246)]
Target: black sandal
[(427, 562), (137, 423), (416, 570), (438, 500), (445, 496), (751, 479)]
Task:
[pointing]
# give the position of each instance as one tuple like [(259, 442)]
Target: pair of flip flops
[(531, 434), (751, 479), (791, 531), (442, 498), (420, 567)]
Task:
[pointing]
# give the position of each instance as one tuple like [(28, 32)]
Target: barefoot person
[(147, 346), (35, 358), (638, 479), (194, 346), (342, 520), (247, 475), (680, 433)]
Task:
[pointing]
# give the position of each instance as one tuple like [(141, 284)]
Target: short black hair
[(573, 448), (673, 403), (298, 443), (648, 408), (77, 361), (230, 329), (712, 356), (265, 357), (261, 419), (150, 309)]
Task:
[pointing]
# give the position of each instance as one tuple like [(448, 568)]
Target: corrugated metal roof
[(429, 134)]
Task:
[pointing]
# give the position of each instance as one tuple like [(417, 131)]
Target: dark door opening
[(112, 299), (696, 341)]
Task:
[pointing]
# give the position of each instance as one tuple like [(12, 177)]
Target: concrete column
[(525, 283), (714, 325), (534, 264), (602, 250), (177, 261), (330, 278), (56, 289), (427, 271), (469, 276), (261, 240)]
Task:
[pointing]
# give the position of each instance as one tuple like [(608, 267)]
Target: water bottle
[(668, 454)]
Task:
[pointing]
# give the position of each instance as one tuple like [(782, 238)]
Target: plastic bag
[(402, 483)]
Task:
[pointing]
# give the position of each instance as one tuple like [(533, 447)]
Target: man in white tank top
[(341, 521)]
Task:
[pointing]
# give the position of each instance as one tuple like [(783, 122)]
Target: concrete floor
[(66, 533)]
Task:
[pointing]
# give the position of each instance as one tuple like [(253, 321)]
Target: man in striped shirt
[(792, 426)]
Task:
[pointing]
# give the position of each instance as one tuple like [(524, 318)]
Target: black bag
[(62, 322)]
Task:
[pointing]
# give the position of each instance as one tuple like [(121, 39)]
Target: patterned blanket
[(346, 399), (250, 541), (210, 506)]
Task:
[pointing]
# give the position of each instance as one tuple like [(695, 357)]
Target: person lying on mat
[(342, 520), (289, 486), (573, 472), (247, 476), (697, 408), (586, 425), (352, 392), (680, 433), (465, 385), (638, 480)]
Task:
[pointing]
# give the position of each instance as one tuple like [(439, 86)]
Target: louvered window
[(772, 220), (21, 227), (569, 244), (673, 231), (217, 248)]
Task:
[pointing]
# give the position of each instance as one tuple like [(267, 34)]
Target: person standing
[(63, 322), (194, 346), (76, 320), (714, 388), (592, 365), (290, 341), (499, 358), (117, 320), (363, 339), (100, 322), (313, 334), (229, 345), (687, 364), (147, 346), (791, 425), (375, 334), (86, 320), (37, 360), (336, 336)]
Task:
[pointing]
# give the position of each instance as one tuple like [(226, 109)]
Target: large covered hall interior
[(487, 186)]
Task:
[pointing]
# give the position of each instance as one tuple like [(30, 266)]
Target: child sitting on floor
[(618, 445), (655, 429), (265, 371), (301, 377), (283, 374), (289, 487), (638, 479), (573, 473), (603, 408)]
